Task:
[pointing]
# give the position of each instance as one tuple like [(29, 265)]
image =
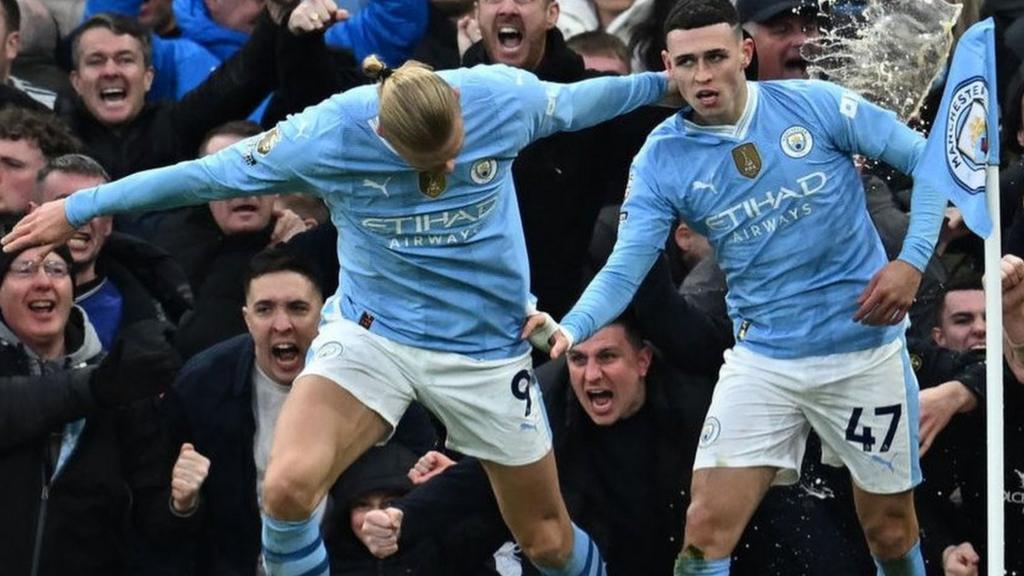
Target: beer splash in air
[(890, 53)]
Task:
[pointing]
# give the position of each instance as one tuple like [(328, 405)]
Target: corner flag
[(965, 135)]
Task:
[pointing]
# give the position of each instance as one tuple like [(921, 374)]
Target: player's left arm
[(550, 107), (860, 127)]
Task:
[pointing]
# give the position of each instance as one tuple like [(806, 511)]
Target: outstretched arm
[(278, 160), (548, 107)]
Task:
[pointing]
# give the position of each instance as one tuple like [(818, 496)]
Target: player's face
[(514, 32), (111, 77), (20, 162), (36, 301), (962, 326), (282, 310), (778, 43), (88, 240), (707, 64), (607, 374)]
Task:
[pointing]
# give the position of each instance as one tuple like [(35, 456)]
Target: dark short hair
[(12, 14), (79, 164), (118, 25), (599, 42), (50, 134), (240, 128), (281, 258), (691, 14), (631, 326)]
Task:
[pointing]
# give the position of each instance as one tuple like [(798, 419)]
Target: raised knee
[(550, 546), (891, 537), (287, 496)]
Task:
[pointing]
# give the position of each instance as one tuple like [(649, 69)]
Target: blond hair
[(418, 110)]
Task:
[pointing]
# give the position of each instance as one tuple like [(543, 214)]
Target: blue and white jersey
[(781, 201), (434, 263)]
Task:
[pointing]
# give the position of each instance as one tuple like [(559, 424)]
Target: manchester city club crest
[(483, 171), (747, 159), (267, 141), (330, 350), (433, 183), (796, 142), (966, 137), (710, 432)]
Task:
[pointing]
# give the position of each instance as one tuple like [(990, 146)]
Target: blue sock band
[(690, 566), (585, 559), (910, 564), (293, 548)]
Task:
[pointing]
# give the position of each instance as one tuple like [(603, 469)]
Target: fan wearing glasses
[(77, 474)]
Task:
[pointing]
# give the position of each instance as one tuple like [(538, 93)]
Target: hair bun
[(375, 68)]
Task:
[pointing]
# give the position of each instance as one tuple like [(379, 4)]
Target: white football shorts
[(492, 409), (863, 405)]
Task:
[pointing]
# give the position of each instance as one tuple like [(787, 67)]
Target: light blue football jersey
[(437, 264), (780, 199)]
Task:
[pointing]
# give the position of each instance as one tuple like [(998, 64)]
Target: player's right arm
[(644, 222)]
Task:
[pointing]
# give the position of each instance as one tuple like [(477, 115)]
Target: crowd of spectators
[(142, 366)]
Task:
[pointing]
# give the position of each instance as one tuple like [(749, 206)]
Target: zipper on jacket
[(44, 499)]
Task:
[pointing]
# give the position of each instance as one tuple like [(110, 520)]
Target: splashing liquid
[(890, 53)]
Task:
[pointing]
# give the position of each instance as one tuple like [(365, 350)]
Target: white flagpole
[(994, 378)]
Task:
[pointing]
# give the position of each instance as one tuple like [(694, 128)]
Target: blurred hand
[(286, 225), (560, 344), (314, 16), (938, 406), (429, 465), (953, 228), (960, 560), (190, 471), (46, 226), (1011, 271), (142, 363), (469, 33), (381, 529), (539, 329), (889, 295)]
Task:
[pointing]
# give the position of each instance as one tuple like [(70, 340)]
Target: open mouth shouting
[(510, 36), (286, 356), (601, 401), (42, 308), (80, 241), (113, 95)]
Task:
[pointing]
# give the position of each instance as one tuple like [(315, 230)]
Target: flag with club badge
[(965, 136)]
